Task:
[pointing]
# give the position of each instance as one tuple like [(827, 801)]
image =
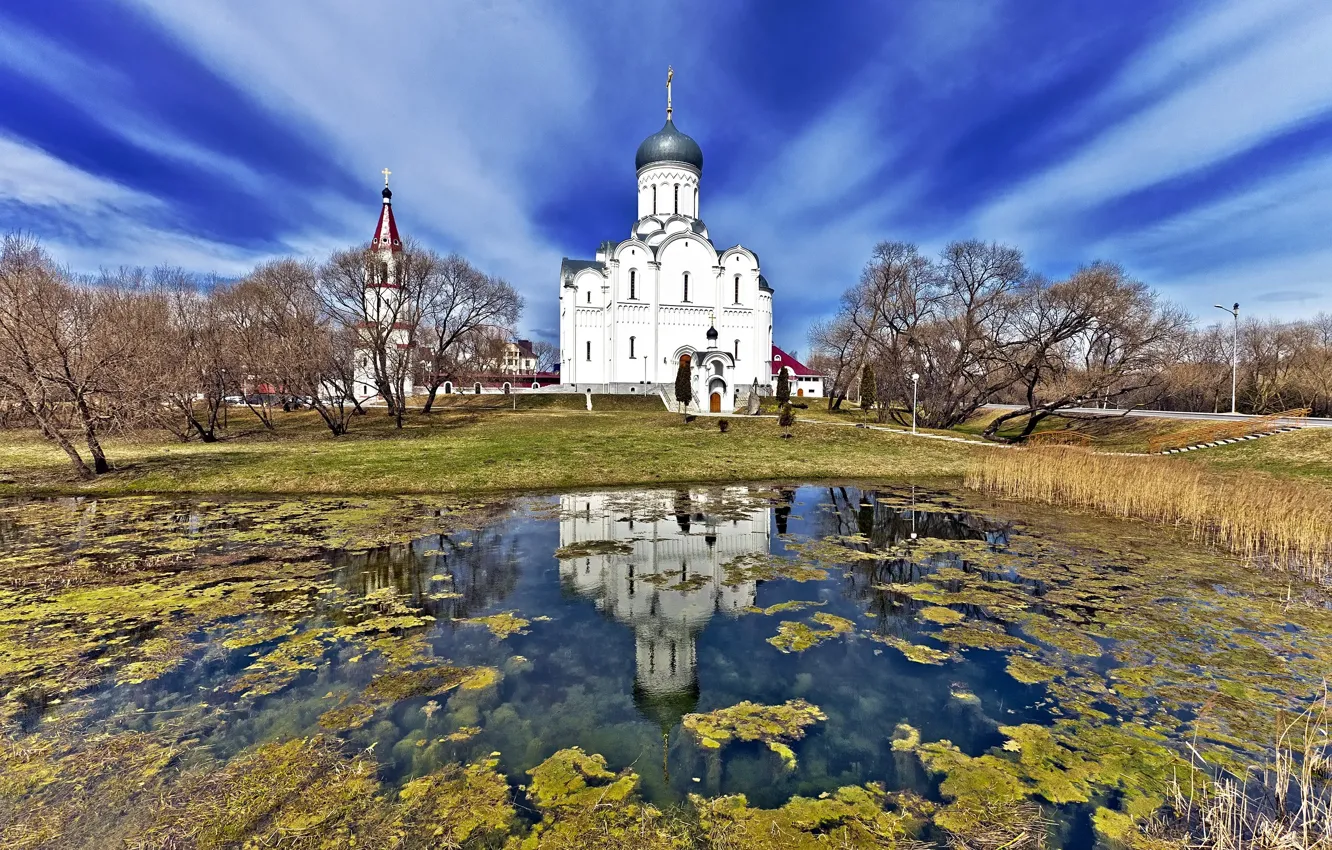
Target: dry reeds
[(1283, 523), (1287, 806)]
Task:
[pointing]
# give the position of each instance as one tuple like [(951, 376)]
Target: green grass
[(463, 449), (1305, 454)]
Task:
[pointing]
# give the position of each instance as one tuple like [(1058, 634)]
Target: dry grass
[(1286, 523), (1286, 806)]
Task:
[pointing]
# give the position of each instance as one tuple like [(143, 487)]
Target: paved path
[(1299, 422)]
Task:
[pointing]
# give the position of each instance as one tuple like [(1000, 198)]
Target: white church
[(666, 295)]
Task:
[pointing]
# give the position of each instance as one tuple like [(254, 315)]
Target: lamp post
[(1234, 351), (915, 385)]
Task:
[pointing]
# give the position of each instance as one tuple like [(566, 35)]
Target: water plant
[(774, 725)]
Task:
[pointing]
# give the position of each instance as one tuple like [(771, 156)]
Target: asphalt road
[(1310, 422)]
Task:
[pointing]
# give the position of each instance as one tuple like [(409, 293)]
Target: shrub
[(869, 391), (783, 386), (723, 425), (786, 419)]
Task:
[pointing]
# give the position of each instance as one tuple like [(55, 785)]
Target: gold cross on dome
[(712, 317), (386, 174)]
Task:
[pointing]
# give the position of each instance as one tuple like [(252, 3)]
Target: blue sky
[(1191, 142)]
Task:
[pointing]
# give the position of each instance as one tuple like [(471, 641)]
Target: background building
[(805, 382)]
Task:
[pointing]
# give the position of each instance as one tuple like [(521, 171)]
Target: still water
[(603, 620)]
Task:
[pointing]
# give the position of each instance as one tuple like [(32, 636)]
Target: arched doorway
[(800, 391), (714, 402), (476, 389), (448, 388), (685, 360), (506, 387)]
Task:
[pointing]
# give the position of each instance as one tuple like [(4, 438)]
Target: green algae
[(761, 566), (919, 653), (854, 816), (585, 805), (941, 616), (1029, 671), (774, 725), (781, 607), (793, 636), (501, 625), (588, 548)]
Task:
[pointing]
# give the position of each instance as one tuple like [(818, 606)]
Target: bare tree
[(65, 349), (459, 303), (1096, 337), (193, 363), (385, 305), (310, 357), (547, 355)]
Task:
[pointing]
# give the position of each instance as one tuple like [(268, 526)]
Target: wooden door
[(714, 404)]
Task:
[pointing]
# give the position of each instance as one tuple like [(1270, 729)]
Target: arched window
[(535, 385), (477, 389), (633, 283), (737, 289), (589, 296), (383, 273), (631, 348), (737, 349), (589, 351), (686, 287), (677, 198), (654, 200)]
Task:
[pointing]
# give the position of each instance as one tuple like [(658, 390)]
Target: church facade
[(666, 296)]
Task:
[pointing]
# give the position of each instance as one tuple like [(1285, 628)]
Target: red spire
[(386, 232)]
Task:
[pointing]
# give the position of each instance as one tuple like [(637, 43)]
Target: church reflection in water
[(666, 579)]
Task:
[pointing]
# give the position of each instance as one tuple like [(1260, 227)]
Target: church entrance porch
[(714, 403)]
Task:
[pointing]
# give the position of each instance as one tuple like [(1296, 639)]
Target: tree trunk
[(52, 433), (100, 465), (430, 398)]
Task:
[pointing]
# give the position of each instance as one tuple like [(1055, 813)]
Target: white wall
[(664, 178)]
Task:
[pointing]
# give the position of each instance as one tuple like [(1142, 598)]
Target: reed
[(1285, 805), (1269, 521)]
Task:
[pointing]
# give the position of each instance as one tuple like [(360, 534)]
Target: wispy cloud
[(1190, 143)]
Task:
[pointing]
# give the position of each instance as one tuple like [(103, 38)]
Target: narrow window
[(654, 200), (633, 283), (476, 390), (589, 296), (677, 198), (686, 287), (737, 349), (589, 352), (737, 289), (631, 348)]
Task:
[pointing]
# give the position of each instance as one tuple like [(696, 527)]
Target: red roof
[(781, 358), (386, 232)]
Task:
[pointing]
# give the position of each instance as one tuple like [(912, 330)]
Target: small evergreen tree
[(868, 389), (786, 419), (783, 386), (684, 388)]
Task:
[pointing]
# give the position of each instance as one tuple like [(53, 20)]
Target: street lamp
[(915, 385), (1234, 351)]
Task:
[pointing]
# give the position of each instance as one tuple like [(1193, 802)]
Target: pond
[(866, 666)]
